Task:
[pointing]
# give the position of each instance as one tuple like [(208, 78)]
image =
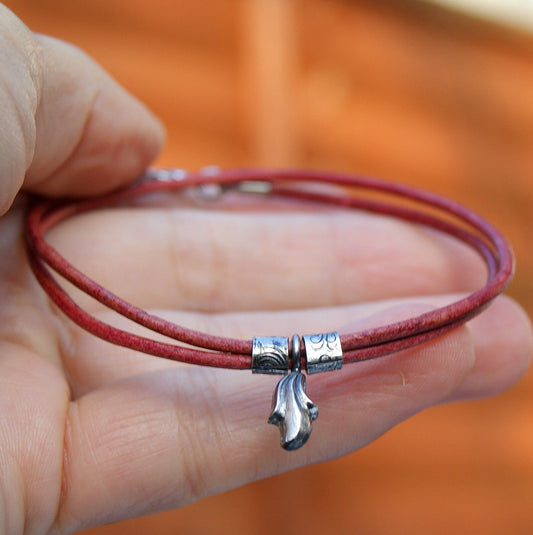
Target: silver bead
[(296, 353), (323, 352), (270, 354)]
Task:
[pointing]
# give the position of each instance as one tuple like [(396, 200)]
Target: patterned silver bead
[(270, 354), (323, 352)]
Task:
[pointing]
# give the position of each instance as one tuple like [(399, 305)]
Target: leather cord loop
[(343, 191)]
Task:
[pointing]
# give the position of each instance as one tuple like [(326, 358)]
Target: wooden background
[(393, 88)]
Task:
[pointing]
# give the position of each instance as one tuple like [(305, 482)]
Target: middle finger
[(195, 259)]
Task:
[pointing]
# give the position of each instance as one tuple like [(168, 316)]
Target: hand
[(92, 433)]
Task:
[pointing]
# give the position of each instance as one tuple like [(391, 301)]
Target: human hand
[(91, 433)]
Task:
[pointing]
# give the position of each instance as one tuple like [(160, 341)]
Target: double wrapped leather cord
[(343, 191)]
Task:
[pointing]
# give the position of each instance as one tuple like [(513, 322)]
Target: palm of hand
[(34, 392)]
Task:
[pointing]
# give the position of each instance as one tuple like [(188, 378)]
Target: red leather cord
[(406, 203)]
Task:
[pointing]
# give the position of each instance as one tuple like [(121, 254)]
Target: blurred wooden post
[(269, 67)]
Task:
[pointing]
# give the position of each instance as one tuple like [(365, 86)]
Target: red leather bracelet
[(321, 352)]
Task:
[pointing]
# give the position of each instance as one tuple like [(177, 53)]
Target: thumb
[(66, 127)]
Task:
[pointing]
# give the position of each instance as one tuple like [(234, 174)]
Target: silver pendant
[(292, 410)]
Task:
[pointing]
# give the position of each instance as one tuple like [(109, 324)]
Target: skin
[(91, 433)]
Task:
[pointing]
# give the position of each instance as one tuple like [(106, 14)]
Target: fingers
[(501, 338), (503, 346), (91, 363), (200, 260), (91, 135), (166, 438), (65, 123), (160, 434), (19, 95)]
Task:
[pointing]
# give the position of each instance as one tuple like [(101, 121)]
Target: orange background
[(399, 89)]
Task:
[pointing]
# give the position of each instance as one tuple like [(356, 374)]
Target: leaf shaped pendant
[(292, 411)]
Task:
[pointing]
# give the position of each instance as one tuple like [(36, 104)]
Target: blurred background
[(409, 90)]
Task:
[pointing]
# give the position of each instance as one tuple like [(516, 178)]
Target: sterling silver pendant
[(292, 410)]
